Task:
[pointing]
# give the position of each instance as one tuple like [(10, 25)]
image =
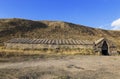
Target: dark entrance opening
[(105, 48)]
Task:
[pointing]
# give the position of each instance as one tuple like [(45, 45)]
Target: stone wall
[(112, 49)]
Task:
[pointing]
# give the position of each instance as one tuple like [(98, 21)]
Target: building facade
[(103, 46)]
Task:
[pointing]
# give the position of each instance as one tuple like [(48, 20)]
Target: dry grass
[(69, 67), (16, 28), (22, 52)]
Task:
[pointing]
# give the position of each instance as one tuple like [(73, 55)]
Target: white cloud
[(116, 24)]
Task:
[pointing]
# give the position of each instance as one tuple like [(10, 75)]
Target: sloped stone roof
[(98, 41), (109, 42), (50, 41)]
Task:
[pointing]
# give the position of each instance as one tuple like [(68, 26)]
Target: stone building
[(103, 46)]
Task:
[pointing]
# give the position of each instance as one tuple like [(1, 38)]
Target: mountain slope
[(15, 28)]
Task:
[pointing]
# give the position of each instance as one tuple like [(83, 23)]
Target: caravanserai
[(103, 45)]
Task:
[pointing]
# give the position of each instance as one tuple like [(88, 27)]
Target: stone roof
[(98, 41), (109, 42), (50, 41)]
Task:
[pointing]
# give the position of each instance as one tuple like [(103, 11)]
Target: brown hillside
[(15, 28)]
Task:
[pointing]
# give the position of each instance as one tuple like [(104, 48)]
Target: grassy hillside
[(15, 28)]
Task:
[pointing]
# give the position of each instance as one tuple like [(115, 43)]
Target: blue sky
[(94, 13)]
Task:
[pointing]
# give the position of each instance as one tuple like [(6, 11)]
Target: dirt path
[(108, 64)]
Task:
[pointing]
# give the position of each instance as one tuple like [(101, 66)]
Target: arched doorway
[(105, 48)]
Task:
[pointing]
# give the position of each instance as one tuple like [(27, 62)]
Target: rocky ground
[(68, 67)]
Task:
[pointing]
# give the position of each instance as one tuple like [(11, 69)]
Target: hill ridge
[(23, 28)]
